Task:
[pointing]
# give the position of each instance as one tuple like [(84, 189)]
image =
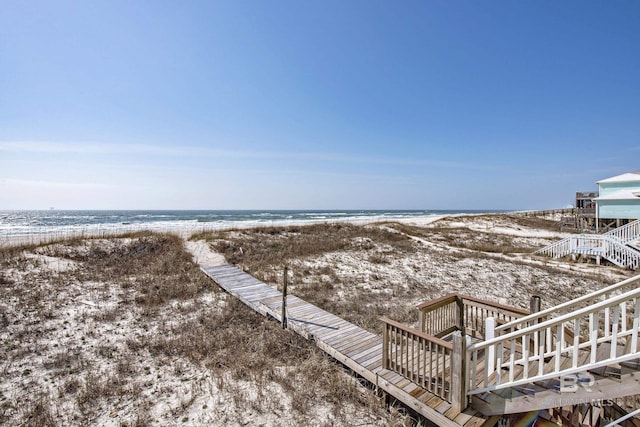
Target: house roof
[(625, 177), (626, 194)]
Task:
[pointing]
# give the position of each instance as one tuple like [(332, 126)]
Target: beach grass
[(127, 330)]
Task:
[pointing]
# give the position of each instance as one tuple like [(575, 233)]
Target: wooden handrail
[(438, 302), (516, 310), (432, 363), (454, 311), (417, 333), (451, 297)]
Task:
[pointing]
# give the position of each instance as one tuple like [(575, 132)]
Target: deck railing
[(606, 246), (452, 312), (626, 233), (423, 359), (440, 316), (518, 357), (569, 306)]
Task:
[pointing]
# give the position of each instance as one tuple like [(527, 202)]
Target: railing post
[(284, 298), (489, 334), (535, 303), (460, 319), (459, 381), (385, 346), (421, 319)]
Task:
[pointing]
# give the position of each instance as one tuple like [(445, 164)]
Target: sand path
[(203, 255)]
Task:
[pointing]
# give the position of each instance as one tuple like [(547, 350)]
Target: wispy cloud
[(45, 147), (85, 148), (52, 185)]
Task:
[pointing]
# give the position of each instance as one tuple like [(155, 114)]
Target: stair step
[(613, 372), (631, 364)]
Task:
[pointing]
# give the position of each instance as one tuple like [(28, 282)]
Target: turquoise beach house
[(619, 198)]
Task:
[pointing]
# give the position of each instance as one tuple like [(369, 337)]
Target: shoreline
[(38, 226), (188, 229)]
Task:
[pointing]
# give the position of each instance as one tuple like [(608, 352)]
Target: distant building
[(585, 201), (619, 198), (585, 212)]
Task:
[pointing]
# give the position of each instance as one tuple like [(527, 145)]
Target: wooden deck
[(356, 348)]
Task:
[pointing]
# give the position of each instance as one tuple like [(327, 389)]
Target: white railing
[(608, 247), (518, 357), (584, 244), (627, 233), (569, 306), (621, 255)]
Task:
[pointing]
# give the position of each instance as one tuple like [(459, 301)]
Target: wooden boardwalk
[(356, 348)]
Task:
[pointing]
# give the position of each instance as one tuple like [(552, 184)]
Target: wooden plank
[(324, 323), (314, 324), (357, 368), (347, 339), (340, 328), (451, 413), (347, 347), (464, 417), (358, 347), (366, 354), (344, 333), (374, 364), (253, 297), (313, 314), (358, 352), (301, 308), (240, 283), (372, 359)]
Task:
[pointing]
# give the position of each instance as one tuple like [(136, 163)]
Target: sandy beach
[(126, 331)]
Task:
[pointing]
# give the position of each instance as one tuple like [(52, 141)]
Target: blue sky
[(315, 104)]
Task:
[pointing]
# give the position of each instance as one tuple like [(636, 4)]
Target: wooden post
[(284, 298), (385, 346), (535, 304), (458, 372), (460, 319)]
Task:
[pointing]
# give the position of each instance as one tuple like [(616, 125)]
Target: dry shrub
[(246, 346), (464, 238), (235, 339), (102, 386), (66, 360), (39, 413), (533, 222), (155, 265), (262, 247)]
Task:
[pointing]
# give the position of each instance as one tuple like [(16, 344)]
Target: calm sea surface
[(16, 223)]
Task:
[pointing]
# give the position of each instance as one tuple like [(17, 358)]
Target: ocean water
[(24, 223)]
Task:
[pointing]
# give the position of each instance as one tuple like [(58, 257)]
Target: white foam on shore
[(40, 235)]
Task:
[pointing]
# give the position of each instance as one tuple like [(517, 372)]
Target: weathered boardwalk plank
[(357, 348)]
